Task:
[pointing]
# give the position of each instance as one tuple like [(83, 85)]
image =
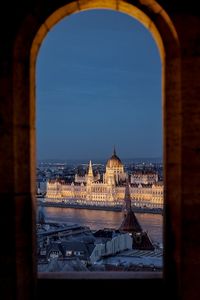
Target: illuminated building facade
[(109, 191)]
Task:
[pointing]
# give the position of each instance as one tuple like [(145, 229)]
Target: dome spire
[(114, 151), (114, 161)]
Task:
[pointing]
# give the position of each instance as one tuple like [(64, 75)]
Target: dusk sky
[(98, 84)]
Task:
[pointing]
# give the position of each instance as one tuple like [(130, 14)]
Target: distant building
[(145, 189), (41, 186), (144, 177)]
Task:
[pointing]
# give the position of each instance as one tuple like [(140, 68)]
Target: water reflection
[(96, 219)]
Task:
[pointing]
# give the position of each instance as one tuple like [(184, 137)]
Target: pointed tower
[(90, 176), (130, 224)]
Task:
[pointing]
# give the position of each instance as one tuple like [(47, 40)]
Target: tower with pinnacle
[(90, 175), (130, 224)]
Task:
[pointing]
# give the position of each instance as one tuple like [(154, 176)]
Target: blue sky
[(98, 84)]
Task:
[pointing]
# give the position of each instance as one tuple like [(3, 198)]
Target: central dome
[(114, 161)]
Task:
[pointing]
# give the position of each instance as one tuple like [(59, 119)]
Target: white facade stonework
[(145, 189)]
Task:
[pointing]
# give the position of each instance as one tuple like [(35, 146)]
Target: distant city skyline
[(98, 84), (103, 161)]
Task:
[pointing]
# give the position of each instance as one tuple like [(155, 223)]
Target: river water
[(97, 219)]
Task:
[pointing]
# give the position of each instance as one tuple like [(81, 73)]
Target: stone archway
[(27, 43)]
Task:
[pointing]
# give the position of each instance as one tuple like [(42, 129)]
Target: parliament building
[(145, 189)]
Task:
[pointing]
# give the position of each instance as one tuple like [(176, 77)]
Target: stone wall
[(176, 29)]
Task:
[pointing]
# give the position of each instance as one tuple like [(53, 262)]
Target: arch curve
[(30, 36)]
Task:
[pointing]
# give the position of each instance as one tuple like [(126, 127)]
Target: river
[(97, 219)]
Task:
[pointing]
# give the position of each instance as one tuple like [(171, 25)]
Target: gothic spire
[(127, 198), (130, 222), (90, 171)]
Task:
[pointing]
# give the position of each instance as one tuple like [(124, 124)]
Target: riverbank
[(96, 207)]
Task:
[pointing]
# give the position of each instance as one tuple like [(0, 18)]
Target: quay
[(98, 207)]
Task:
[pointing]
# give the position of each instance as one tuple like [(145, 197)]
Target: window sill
[(100, 275)]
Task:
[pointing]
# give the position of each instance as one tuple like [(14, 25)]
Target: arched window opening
[(99, 86)]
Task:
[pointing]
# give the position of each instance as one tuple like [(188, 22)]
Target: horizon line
[(123, 158)]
